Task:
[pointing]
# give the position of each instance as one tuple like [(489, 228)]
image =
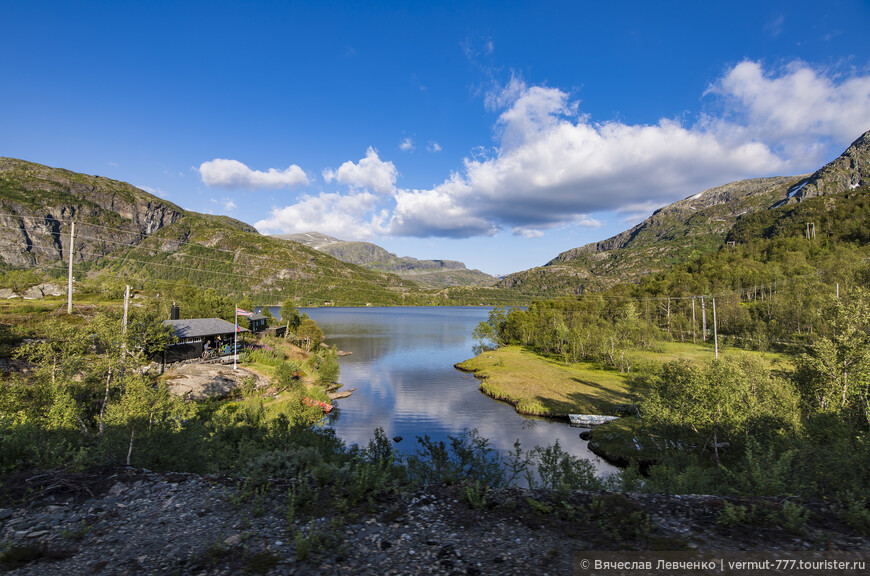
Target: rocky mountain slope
[(690, 227), (36, 200), (432, 274), (129, 232)]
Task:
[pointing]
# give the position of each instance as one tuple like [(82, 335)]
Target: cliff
[(35, 200)]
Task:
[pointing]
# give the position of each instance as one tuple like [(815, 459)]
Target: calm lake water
[(402, 368)]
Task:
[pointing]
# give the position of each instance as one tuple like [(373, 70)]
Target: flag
[(240, 312)]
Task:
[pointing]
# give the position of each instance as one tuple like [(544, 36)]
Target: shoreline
[(539, 386), (482, 377)]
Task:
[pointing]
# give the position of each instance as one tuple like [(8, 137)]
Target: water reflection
[(401, 365)]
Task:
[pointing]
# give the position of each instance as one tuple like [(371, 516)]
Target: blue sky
[(499, 133)]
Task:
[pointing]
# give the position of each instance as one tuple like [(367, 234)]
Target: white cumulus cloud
[(223, 173), (370, 173), (553, 166), (799, 110), (353, 216)]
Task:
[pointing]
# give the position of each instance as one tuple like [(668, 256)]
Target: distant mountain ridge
[(696, 225), (125, 230), (431, 274)]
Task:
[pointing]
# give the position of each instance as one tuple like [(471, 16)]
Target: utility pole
[(126, 305), (715, 331), (72, 235), (124, 341), (703, 319)]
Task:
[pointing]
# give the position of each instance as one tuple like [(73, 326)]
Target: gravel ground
[(137, 522)]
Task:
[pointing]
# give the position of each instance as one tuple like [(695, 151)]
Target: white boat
[(589, 420)]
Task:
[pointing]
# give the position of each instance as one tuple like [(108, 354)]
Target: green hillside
[(124, 234), (690, 228)]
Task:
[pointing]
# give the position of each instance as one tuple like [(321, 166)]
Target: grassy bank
[(541, 386), (545, 387)]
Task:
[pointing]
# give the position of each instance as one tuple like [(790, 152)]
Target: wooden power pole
[(69, 289), (126, 305), (703, 320), (715, 331), (124, 333)]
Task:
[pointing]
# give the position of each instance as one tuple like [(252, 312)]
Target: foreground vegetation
[(740, 424), (795, 423), (78, 399)]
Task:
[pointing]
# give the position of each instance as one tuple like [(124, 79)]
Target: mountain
[(128, 232), (690, 227), (35, 200), (430, 274)]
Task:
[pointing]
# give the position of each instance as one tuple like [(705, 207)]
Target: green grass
[(669, 351), (545, 387), (541, 386)]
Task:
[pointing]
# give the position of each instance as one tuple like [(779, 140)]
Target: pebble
[(189, 525)]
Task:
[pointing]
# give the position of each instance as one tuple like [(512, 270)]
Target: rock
[(439, 535), (202, 381), (5, 513), (117, 489), (339, 395), (233, 540), (42, 290), (36, 232)]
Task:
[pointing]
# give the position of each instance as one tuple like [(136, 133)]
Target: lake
[(401, 364)]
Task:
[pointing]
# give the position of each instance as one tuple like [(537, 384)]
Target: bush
[(288, 377), (562, 471)]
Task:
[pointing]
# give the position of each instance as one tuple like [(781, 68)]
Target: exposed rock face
[(731, 199), (691, 226), (43, 290), (37, 203), (850, 170)]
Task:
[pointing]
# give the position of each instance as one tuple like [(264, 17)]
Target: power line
[(346, 283), (340, 281), (511, 295), (269, 259)]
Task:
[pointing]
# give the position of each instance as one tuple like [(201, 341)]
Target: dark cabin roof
[(199, 327), (256, 316)]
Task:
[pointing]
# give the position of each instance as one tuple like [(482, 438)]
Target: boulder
[(43, 290), (202, 381)]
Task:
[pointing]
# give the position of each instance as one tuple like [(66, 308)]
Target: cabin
[(195, 333), (257, 322)]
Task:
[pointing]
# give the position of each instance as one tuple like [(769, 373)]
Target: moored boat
[(311, 402), (589, 420)]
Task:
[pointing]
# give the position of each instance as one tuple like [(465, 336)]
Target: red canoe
[(309, 402)]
